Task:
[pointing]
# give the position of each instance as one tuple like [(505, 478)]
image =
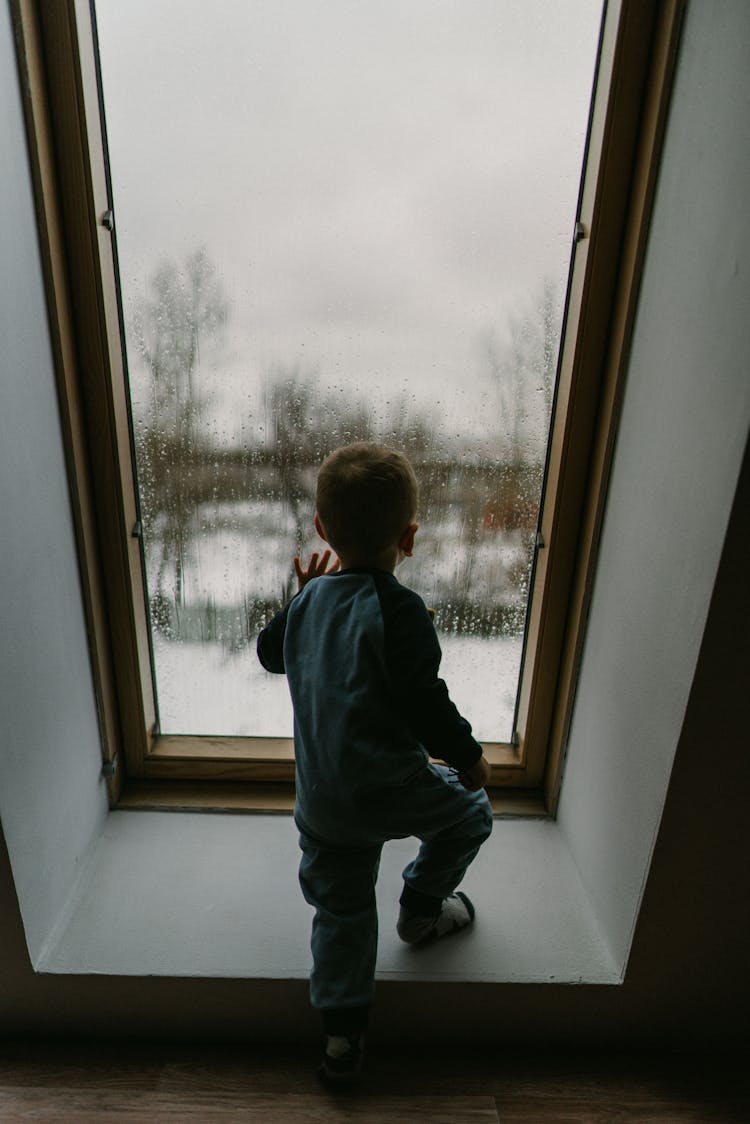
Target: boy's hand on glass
[(317, 568), (478, 776)]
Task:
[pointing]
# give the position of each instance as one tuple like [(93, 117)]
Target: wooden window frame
[(59, 78)]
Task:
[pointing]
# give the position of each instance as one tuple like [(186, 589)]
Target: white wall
[(683, 430), (47, 708)]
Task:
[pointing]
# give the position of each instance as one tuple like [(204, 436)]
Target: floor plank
[(72, 1104), (68, 1082)]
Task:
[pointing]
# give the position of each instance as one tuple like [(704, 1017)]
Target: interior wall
[(689, 950), (684, 423), (46, 690)]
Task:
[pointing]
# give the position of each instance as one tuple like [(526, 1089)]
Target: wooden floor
[(86, 1082)]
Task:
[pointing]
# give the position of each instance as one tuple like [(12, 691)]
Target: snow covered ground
[(204, 689), (238, 557)]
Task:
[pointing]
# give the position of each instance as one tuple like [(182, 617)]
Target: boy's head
[(366, 500)]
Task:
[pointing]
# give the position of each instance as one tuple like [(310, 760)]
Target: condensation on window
[(340, 221)]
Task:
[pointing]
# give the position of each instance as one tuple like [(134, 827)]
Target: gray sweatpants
[(338, 874)]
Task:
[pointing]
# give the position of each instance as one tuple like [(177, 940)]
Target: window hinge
[(539, 541), (515, 739), (137, 532), (579, 233), (108, 220), (109, 768)]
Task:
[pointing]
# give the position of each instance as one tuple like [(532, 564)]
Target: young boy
[(361, 657)]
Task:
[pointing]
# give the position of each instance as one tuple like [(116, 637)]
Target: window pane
[(340, 220)]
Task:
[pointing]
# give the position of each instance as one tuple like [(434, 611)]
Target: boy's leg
[(340, 886), (452, 824)]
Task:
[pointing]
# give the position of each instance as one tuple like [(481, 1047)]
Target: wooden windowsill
[(270, 797), (225, 774), (177, 757)]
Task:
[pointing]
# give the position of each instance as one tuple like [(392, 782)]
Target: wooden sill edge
[(169, 749), (278, 798)]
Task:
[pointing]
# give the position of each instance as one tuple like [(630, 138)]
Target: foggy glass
[(335, 221)]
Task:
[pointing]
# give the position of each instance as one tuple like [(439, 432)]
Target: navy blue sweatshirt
[(361, 656)]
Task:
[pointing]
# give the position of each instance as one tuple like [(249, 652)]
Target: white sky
[(378, 184)]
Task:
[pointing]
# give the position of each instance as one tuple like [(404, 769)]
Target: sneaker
[(342, 1059), (456, 913)]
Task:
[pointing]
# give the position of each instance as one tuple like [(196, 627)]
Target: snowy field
[(204, 689), (239, 555), (241, 552)]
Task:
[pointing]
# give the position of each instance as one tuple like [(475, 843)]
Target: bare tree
[(185, 306), (294, 439), (522, 366)]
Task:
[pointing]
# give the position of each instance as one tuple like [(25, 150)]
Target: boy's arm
[(270, 645), (413, 655)]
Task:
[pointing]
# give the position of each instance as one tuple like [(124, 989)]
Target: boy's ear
[(319, 527), (406, 542)]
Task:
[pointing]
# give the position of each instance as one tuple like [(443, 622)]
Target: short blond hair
[(366, 497)]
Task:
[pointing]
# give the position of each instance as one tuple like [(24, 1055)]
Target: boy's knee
[(476, 816), (483, 816)]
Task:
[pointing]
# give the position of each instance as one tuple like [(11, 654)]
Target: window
[(75, 206), (337, 222)]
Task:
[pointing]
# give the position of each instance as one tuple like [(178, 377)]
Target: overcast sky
[(378, 184)]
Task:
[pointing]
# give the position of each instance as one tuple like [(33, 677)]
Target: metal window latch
[(108, 220), (539, 541), (137, 532), (579, 233), (109, 768)]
